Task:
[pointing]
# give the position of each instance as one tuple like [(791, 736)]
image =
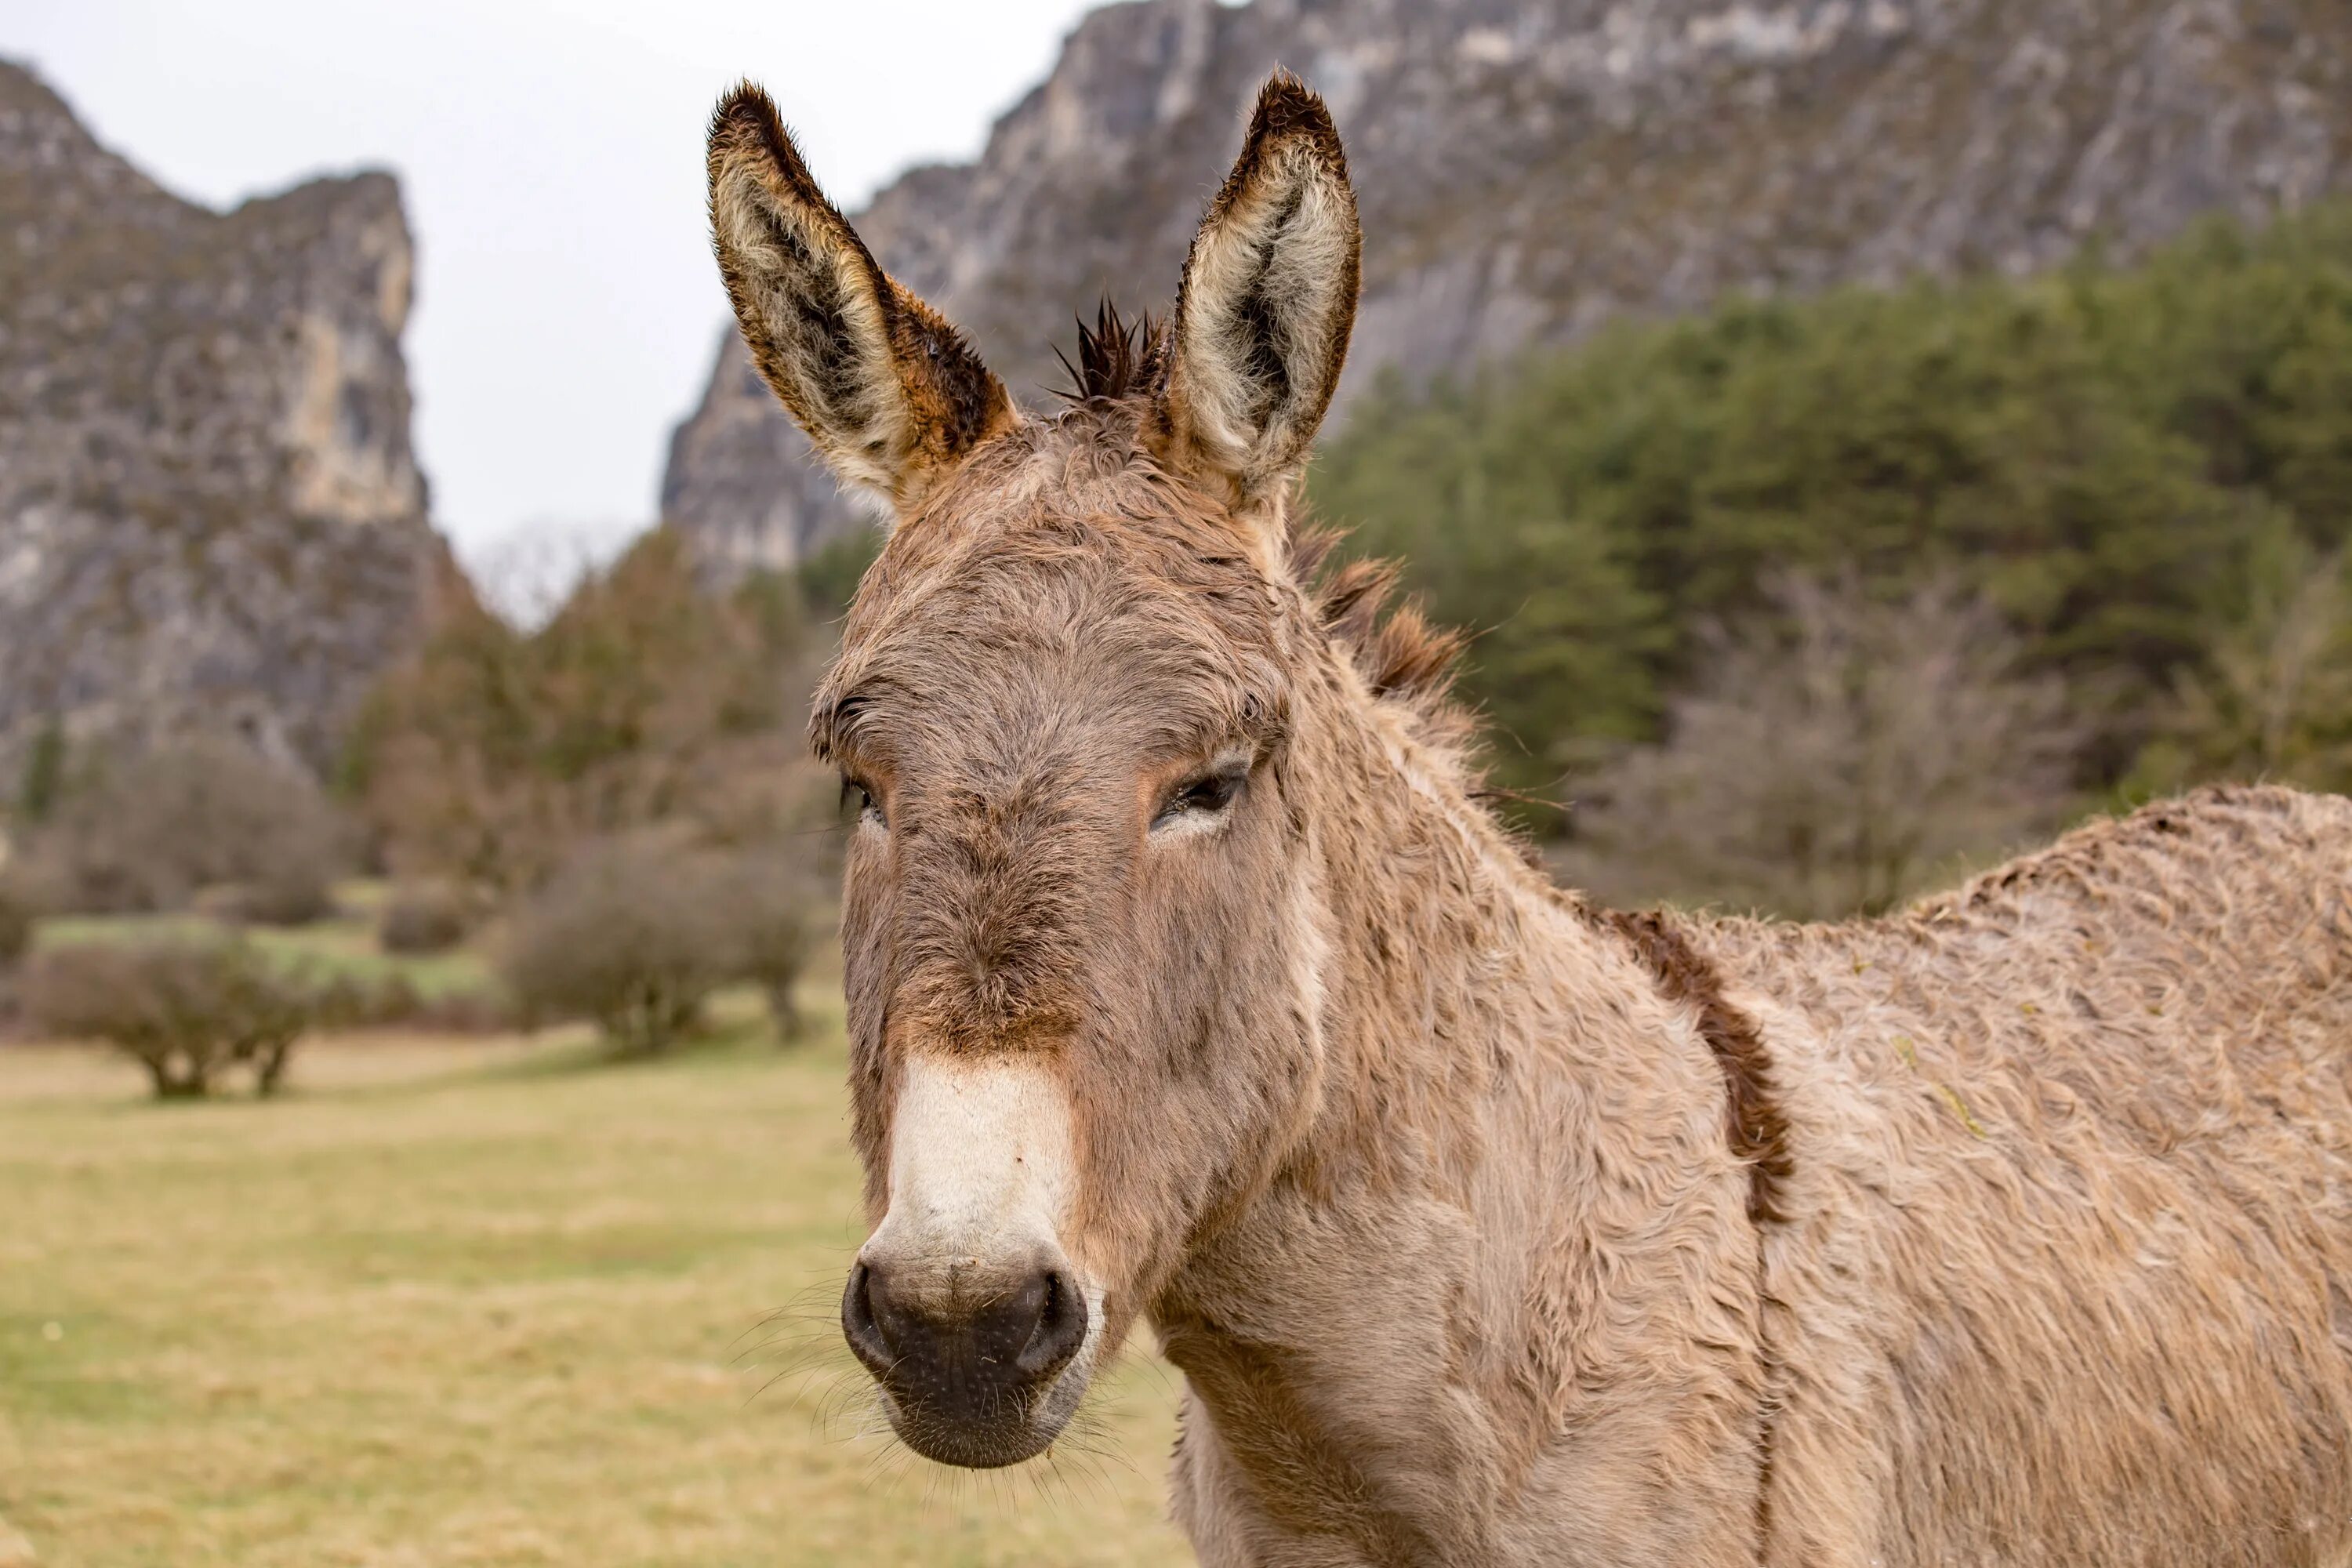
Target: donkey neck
[(1518, 1150), (1462, 988)]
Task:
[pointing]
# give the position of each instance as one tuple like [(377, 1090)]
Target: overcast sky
[(552, 160)]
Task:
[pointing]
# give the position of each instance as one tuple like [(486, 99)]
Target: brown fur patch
[(1757, 1129)]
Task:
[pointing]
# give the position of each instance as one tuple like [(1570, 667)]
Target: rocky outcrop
[(209, 509), (1529, 168)]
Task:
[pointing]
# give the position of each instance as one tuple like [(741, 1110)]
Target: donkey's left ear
[(886, 389), (1268, 301)]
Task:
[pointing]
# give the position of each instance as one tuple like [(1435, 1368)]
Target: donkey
[(1190, 983)]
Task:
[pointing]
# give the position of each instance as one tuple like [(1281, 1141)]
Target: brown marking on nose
[(995, 914)]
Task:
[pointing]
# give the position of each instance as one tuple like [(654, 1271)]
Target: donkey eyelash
[(853, 793), (1207, 795)]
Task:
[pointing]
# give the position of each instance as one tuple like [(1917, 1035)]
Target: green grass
[(482, 1304), (344, 944)]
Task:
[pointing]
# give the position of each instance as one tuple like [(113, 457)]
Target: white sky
[(550, 156)]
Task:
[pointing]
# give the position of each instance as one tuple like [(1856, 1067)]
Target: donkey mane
[(1404, 658)]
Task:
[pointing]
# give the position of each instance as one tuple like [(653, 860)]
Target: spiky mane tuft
[(1118, 359)]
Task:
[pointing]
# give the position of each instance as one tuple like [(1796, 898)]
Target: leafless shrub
[(1833, 753), (186, 1008), (153, 830), (634, 933), (426, 917), (360, 1002), (16, 922), (394, 1001), (294, 891), (777, 916)]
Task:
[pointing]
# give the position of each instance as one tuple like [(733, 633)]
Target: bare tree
[(2273, 698), (1834, 751)]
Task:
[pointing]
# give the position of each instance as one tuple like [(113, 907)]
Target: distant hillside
[(209, 510), (1531, 167)]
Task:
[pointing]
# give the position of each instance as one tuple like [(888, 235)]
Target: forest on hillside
[(1807, 602)]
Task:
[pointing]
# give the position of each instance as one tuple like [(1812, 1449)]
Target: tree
[(1834, 750), (2089, 451), (185, 1008), (646, 699), (2272, 697), (148, 829)]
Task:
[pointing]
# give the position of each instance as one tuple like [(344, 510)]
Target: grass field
[(481, 1303), (344, 944)]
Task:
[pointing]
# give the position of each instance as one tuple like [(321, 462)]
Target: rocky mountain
[(1527, 168), (209, 511)]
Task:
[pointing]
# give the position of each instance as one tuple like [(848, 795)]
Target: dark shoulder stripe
[(1758, 1132)]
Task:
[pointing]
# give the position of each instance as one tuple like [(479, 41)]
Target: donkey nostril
[(861, 1325), (920, 1346), (1061, 1326)]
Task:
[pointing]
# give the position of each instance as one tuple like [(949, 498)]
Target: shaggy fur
[(1490, 1228)]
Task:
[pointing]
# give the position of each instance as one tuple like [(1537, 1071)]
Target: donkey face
[(1082, 964)]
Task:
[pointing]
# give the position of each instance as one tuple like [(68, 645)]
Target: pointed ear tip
[(747, 111), (747, 101), (1285, 93), (1287, 107)]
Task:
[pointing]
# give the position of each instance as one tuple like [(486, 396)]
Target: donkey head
[(1083, 958)]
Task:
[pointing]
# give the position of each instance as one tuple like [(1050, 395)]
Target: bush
[(1834, 753), (201, 815), (186, 1008), (15, 923), (393, 1001), (296, 895), (633, 933), (636, 933), (426, 918), (775, 915)]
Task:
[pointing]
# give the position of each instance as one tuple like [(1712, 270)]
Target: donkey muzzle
[(970, 1367)]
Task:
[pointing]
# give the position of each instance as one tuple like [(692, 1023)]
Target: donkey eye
[(1204, 797), (855, 793)]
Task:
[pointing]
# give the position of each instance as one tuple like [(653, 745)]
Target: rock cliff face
[(1527, 168), (209, 511)]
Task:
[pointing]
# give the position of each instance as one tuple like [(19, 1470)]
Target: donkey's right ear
[(886, 389)]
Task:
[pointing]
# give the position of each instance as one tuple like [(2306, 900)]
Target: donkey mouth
[(976, 1427), (968, 1444)]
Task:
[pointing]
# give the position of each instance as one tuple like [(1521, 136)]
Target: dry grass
[(480, 1304)]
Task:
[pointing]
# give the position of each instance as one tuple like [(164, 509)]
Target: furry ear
[(1268, 301), (886, 389)]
